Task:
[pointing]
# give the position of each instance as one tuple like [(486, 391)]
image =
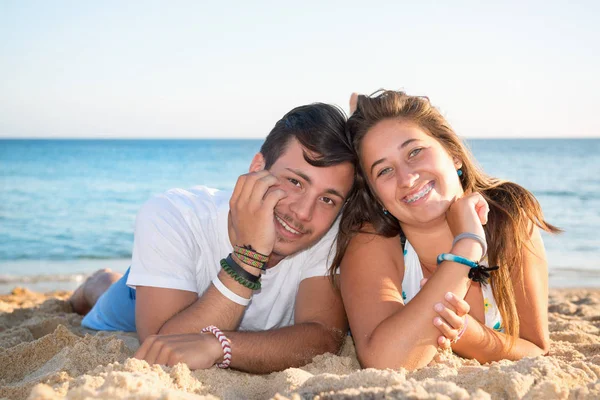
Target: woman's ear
[(258, 163), (457, 163)]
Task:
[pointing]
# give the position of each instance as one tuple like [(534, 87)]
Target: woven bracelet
[(477, 272), (225, 345), (239, 279), (462, 330), (249, 252), (250, 261)]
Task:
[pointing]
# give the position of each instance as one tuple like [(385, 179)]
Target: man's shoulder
[(198, 200)]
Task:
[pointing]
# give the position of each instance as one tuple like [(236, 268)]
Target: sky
[(231, 69)]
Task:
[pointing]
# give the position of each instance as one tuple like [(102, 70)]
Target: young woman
[(425, 212)]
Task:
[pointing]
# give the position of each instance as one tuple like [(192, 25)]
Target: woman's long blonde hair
[(512, 207)]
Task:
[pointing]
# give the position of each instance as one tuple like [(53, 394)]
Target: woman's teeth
[(423, 192)]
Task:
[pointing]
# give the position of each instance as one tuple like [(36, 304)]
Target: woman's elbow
[(544, 345), (383, 359)]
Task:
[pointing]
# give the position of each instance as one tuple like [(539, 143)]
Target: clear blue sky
[(230, 69)]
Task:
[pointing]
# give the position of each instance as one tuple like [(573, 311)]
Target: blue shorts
[(114, 310)]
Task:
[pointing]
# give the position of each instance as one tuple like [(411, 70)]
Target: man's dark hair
[(319, 128)]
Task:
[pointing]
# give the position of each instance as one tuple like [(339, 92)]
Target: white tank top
[(411, 284)]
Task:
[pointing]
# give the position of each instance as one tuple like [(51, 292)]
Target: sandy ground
[(45, 354)]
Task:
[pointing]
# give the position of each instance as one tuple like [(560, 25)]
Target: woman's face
[(410, 172)]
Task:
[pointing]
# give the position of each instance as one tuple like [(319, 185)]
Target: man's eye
[(294, 182), (415, 152), (384, 171), (328, 201)]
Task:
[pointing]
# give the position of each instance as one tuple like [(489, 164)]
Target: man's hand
[(197, 350), (254, 198)]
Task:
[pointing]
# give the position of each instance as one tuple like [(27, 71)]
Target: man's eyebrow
[(307, 179), (403, 145)]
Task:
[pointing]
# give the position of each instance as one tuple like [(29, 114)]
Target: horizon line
[(262, 138)]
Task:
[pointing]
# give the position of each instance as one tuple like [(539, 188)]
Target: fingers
[(254, 183), (257, 192), (444, 343), (153, 354), (447, 331), (481, 207), (448, 316), (353, 102), (251, 189), (141, 352), (272, 198), (461, 307)]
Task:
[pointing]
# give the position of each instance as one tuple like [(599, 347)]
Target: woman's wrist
[(468, 248)]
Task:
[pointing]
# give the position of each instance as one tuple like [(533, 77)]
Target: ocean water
[(68, 207)]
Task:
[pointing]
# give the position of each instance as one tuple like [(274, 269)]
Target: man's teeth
[(286, 226), (420, 194)]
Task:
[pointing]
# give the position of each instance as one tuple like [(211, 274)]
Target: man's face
[(315, 196)]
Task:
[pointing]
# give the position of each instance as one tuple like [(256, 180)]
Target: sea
[(67, 207)]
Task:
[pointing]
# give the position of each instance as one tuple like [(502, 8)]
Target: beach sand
[(46, 354)]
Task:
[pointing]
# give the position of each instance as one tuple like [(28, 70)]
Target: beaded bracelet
[(462, 330), (250, 261), (234, 271), (225, 345), (248, 251), (477, 273)]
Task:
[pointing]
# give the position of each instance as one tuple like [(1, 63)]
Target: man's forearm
[(212, 308), (278, 349)]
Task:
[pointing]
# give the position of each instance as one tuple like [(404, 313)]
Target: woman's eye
[(415, 152), (383, 171), (294, 182)]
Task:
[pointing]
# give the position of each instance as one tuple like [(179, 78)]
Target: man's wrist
[(249, 268)]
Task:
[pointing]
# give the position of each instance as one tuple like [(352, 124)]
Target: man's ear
[(258, 163)]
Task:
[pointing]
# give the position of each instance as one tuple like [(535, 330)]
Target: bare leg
[(86, 295)]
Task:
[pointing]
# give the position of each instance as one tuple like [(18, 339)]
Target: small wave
[(15, 279), (557, 193), (77, 257)]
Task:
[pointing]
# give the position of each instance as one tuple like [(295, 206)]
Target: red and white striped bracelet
[(225, 344)]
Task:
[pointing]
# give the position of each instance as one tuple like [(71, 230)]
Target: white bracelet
[(477, 238), (225, 345), (225, 291)]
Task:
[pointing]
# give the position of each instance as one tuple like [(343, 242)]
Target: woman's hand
[(468, 214), (451, 317), (451, 320)]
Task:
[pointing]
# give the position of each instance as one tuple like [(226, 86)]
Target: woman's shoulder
[(368, 241)]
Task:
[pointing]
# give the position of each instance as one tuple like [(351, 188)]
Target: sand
[(46, 354)]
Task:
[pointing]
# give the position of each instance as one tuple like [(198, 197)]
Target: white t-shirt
[(180, 237)]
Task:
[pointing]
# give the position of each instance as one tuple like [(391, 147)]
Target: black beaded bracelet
[(243, 278), (241, 271)]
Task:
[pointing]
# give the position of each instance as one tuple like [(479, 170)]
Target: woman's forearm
[(408, 338), (486, 345)]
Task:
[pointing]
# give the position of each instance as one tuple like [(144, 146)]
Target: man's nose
[(303, 207)]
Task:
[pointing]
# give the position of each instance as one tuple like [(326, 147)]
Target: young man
[(197, 257)]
